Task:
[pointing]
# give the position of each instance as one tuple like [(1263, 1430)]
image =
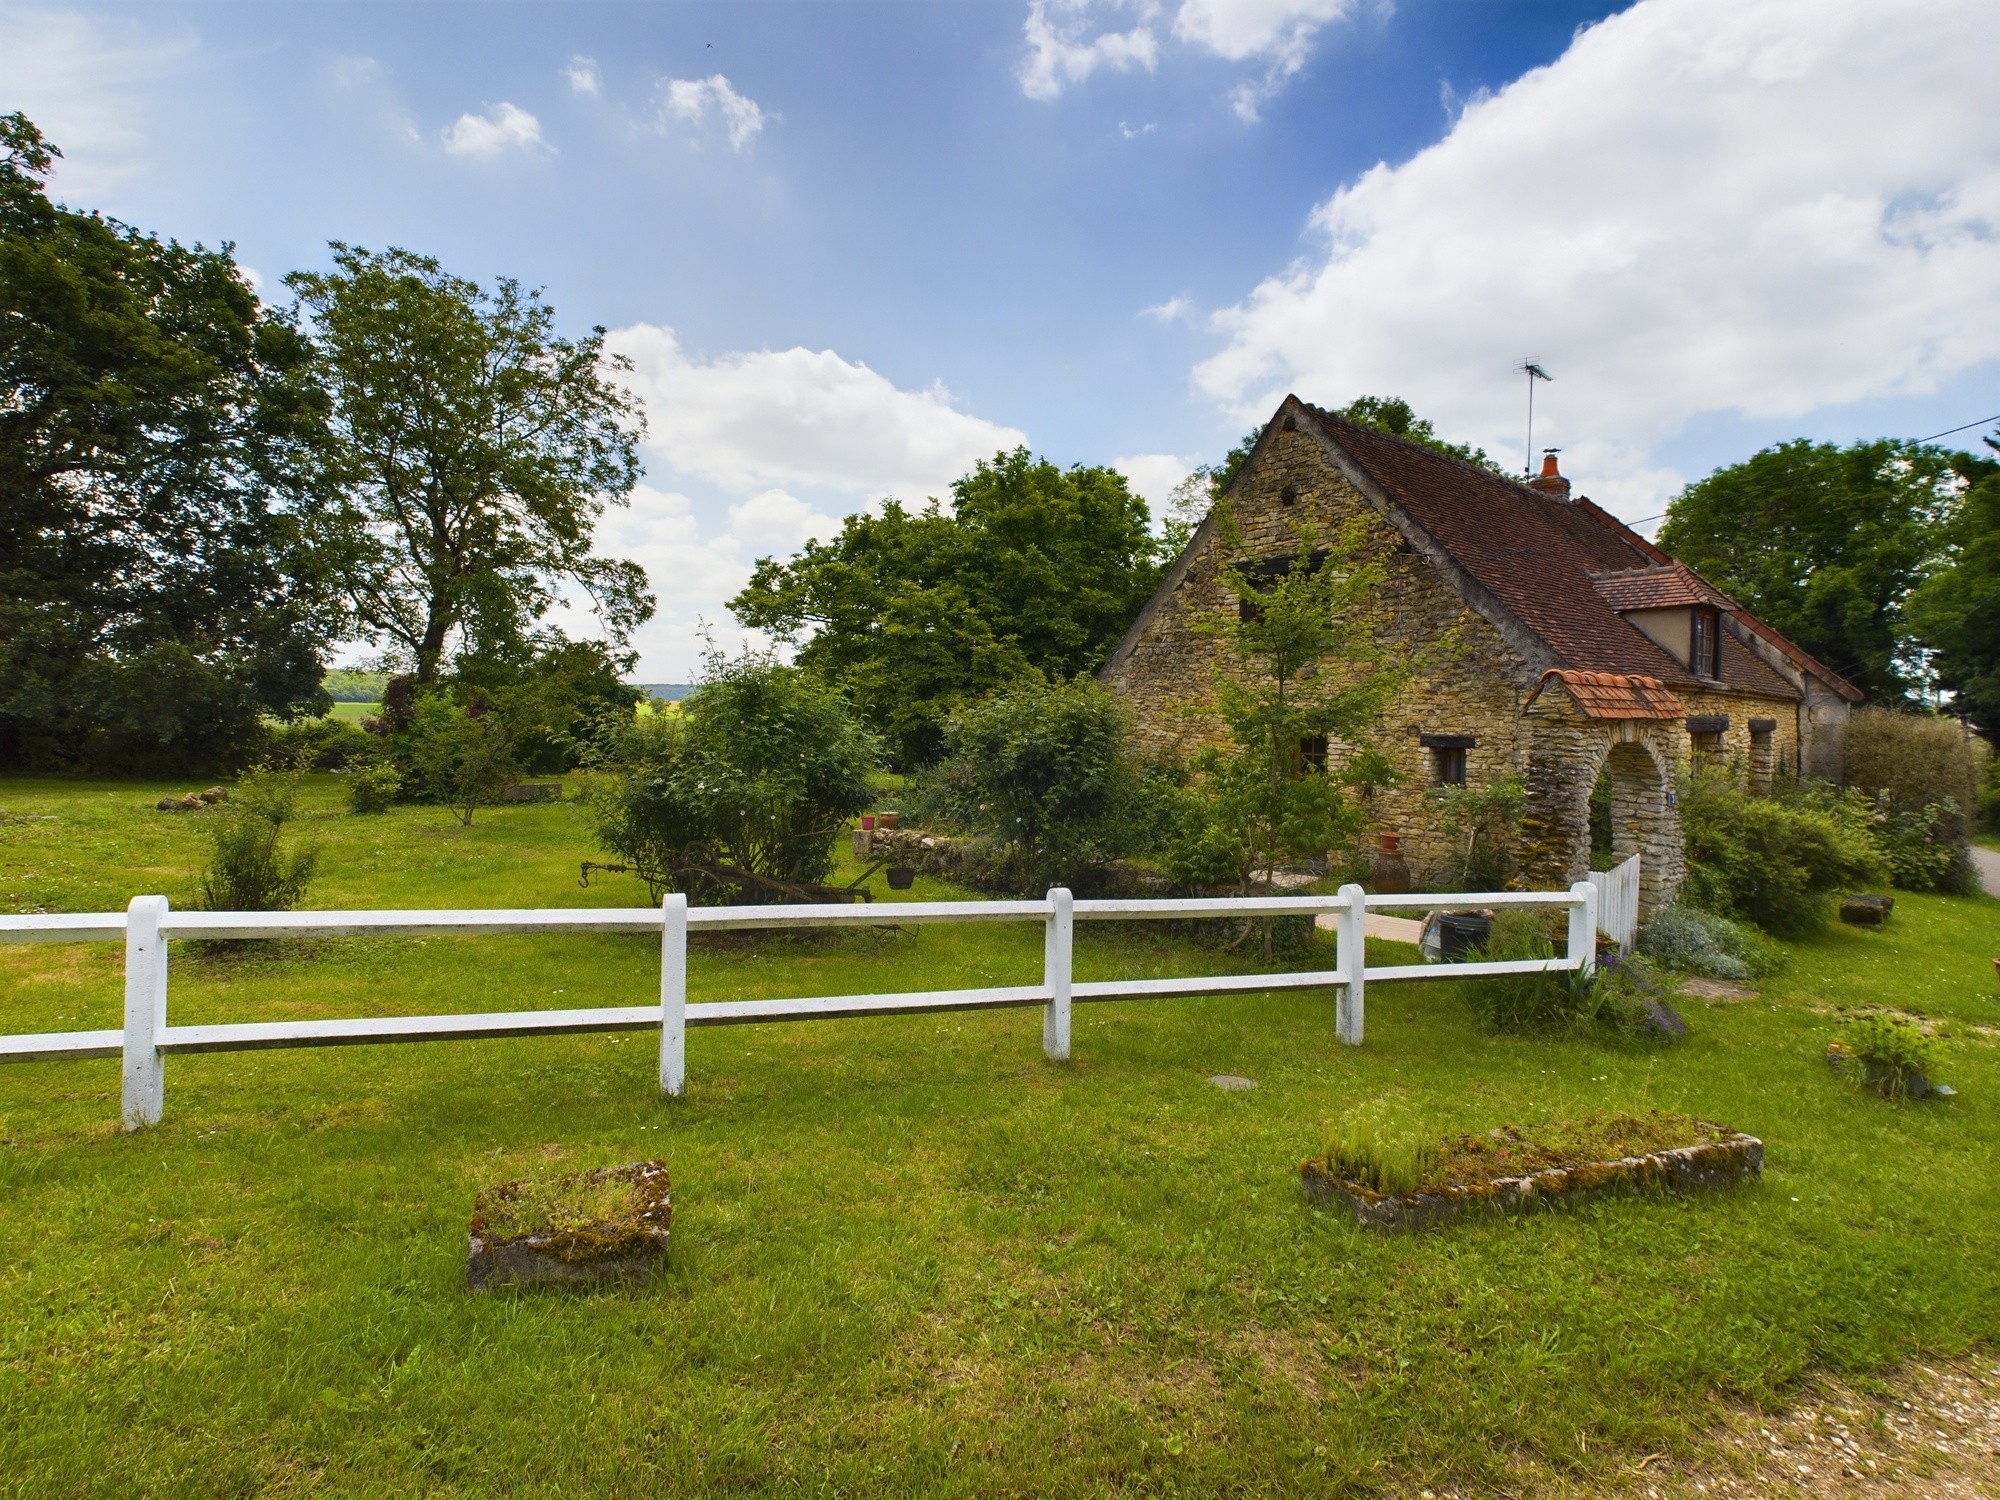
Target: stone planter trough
[(588, 1228), (1679, 1169)]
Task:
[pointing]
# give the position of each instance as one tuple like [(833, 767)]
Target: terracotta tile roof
[(1539, 556), (1615, 695), (1660, 586)]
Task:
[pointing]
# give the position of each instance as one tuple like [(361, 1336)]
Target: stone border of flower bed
[(630, 1247), (1680, 1169)]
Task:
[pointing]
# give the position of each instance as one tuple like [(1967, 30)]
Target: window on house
[(1704, 644), (1312, 753), (1705, 732), (1447, 756)]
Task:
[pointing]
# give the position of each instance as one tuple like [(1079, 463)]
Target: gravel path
[(1987, 862), (1930, 1431)]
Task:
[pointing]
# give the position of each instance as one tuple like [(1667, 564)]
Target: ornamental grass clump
[(1380, 1149), (1889, 1054)]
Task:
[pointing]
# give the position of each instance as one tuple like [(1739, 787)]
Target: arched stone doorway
[(1644, 818)]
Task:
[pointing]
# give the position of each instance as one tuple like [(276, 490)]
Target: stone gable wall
[(1475, 685)]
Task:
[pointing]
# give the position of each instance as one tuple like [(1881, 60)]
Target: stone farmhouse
[(1576, 647)]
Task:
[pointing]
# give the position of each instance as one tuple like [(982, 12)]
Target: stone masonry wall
[(1471, 686), (1468, 681)]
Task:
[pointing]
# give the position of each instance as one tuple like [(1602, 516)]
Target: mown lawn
[(910, 1256)]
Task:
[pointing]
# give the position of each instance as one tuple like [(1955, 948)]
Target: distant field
[(354, 713), (910, 1256)]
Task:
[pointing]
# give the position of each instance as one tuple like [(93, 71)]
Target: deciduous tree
[(158, 590), (916, 613), (474, 449)]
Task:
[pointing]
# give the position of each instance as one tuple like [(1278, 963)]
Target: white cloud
[(582, 76), (1749, 206), (800, 417), (696, 99), (776, 522), (1173, 310), (85, 82), (502, 128), (1153, 476), (1062, 49), (1281, 30), (1068, 40)]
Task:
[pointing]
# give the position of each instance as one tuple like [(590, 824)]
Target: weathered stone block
[(585, 1228), (1866, 911)]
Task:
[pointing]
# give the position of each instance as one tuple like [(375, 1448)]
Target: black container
[(1454, 935), (902, 877)]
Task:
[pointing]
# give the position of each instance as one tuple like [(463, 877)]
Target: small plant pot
[(902, 877), (888, 820)]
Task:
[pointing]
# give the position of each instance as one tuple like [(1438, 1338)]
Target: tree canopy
[(914, 613), (158, 592), (473, 450), (1827, 543), (1956, 611)]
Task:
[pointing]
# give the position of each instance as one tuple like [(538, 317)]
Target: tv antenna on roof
[(1534, 372)]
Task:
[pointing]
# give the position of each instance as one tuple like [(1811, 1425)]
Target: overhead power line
[(1950, 430)]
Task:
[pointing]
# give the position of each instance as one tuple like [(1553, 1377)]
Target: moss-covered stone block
[(583, 1228)]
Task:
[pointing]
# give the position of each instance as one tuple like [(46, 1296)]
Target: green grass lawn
[(910, 1256), (354, 713)]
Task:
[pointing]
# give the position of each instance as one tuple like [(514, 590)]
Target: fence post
[(1351, 955), (673, 993), (144, 1093), (1057, 948), (1583, 928)]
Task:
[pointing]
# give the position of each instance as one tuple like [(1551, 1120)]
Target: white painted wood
[(1058, 945), (1467, 900), (1219, 906), (143, 1092), (41, 1046), (1394, 972), (1204, 984), (250, 1036), (293, 924), (834, 1007), (64, 927), (864, 914), (673, 993), (1351, 944), (1618, 903), (1583, 929)]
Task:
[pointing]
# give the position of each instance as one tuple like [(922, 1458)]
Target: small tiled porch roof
[(1613, 695)]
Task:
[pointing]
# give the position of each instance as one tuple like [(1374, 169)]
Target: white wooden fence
[(1618, 903), (147, 926)]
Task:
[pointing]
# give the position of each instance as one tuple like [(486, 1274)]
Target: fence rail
[(147, 926)]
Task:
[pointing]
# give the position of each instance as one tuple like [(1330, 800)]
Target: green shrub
[(1776, 861), (1380, 1148), (1041, 770), (1700, 942), (744, 791), (1914, 760), (1481, 823), (249, 867), (327, 744), (1889, 1053), (458, 753), (371, 789), (1989, 792)]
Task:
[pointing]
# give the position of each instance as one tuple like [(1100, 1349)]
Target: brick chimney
[(1550, 480)]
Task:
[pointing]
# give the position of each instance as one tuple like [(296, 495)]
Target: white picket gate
[(147, 927), (1618, 903)]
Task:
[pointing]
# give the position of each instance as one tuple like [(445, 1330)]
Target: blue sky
[(852, 247)]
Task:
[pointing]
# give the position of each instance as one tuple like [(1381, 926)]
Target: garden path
[(1987, 863)]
